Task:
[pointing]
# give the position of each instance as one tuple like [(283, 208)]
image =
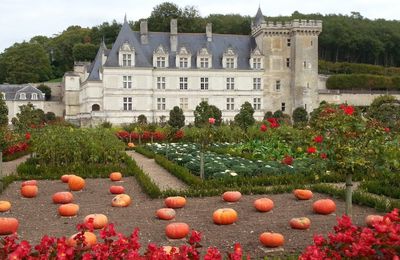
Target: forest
[(348, 38)]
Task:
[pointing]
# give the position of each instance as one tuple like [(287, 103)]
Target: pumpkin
[(175, 202), (370, 220), (117, 189), (30, 182), (324, 206), (121, 200), (300, 223), (68, 210), (177, 230), (270, 239), (303, 194), (263, 204), (165, 213), (8, 226), (62, 197), (4, 206), (90, 239), (115, 176), (225, 216), (99, 220), (66, 177), (29, 191), (76, 183), (131, 145), (170, 250), (231, 196)]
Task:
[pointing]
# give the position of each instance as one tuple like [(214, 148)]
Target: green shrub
[(362, 81), (326, 67), (386, 109)]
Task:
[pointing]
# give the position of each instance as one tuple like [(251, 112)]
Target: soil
[(38, 216)]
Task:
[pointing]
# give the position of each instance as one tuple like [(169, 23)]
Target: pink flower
[(311, 149), (318, 139), (263, 128), (211, 120)]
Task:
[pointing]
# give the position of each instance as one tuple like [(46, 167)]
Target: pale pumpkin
[(99, 220), (68, 210), (4, 206)]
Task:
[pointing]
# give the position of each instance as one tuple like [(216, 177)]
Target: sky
[(20, 20)]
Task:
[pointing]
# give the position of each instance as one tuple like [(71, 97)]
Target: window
[(278, 85), (127, 102), (256, 83), (22, 96), (283, 106), (160, 103), (127, 81), (183, 62), (204, 100), (204, 63), (126, 60), (288, 62), (203, 83), (288, 42), (230, 104), (305, 107), (305, 64), (34, 96), (95, 107), (230, 63), (183, 103), (257, 63), (160, 63), (183, 83), (230, 83), (257, 103), (160, 82), (311, 43)]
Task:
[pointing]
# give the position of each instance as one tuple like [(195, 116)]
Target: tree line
[(345, 38)]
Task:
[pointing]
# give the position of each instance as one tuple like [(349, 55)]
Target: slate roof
[(12, 92), (259, 19)]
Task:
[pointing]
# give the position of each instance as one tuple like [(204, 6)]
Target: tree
[(28, 117), (300, 116), (84, 51), (245, 118), (387, 110), (3, 112), (160, 17), (25, 62), (204, 111), (268, 114), (176, 117), (50, 116), (142, 119), (46, 90)]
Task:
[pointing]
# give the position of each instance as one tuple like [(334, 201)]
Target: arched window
[(95, 107)]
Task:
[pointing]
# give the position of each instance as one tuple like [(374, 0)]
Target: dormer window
[(126, 55), (183, 58), (204, 59), (22, 96), (160, 57), (256, 60), (229, 59), (34, 96)]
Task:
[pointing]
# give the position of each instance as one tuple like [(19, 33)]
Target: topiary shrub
[(300, 116), (387, 110)]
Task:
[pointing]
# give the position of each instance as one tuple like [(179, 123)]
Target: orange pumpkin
[(62, 197), (4, 206), (76, 183), (117, 189), (29, 191), (8, 226), (30, 182), (90, 239), (66, 177), (270, 239), (115, 176), (165, 213), (303, 194), (370, 220), (177, 230), (175, 202), (263, 204), (131, 145), (68, 210), (324, 206), (231, 196), (99, 220), (300, 223), (225, 216), (121, 200)]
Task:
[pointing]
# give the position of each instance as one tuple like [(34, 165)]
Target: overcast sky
[(22, 19)]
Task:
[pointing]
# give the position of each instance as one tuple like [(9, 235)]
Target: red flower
[(211, 120), (28, 136), (318, 139), (387, 129), (179, 134), (273, 122), (288, 160), (323, 155), (263, 128), (311, 149), (348, 110)]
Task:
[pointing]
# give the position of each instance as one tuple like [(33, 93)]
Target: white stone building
[(274, 68)]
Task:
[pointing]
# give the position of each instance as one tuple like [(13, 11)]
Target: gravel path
[(11, 166), (159, 175)]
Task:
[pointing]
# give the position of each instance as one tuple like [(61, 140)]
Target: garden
[(265, 189)]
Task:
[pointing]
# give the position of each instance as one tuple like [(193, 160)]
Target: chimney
[(174, 35), (144, 38), (209, 32)]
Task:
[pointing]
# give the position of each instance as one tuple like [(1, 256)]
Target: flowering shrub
[(145, 136), (353, 242)]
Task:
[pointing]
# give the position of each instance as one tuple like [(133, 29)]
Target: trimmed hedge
[(326, 67), (363, 81)]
